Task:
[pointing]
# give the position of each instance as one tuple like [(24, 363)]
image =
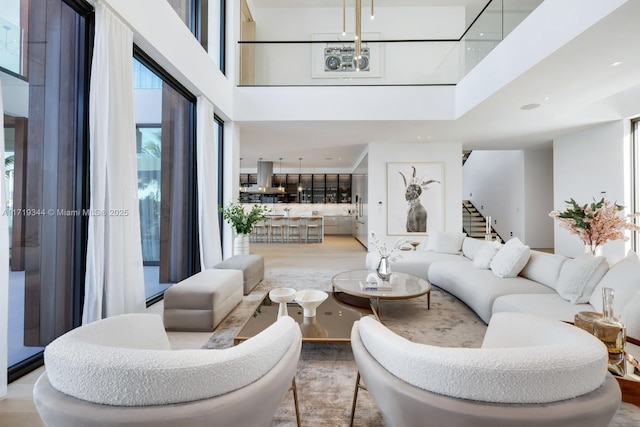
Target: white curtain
[(207, 165), (4, 264), (114, 282)]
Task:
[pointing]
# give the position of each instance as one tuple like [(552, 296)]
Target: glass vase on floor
[(612, 333)]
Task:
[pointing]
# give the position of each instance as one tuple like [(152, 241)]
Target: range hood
[(265, 174), (265, 180)]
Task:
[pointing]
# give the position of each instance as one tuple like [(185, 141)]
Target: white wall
[(399, 62), (494, 182), (382, 153), (538, 197), (374, 103), (515, 188), (591, 164)]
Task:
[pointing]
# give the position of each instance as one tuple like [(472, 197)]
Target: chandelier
[(358, 37)]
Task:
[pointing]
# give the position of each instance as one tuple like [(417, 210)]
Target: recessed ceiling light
[(546, 98), (419, 137), (529, 106), (615, 64)]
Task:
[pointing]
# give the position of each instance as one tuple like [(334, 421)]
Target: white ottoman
[(202, 301)]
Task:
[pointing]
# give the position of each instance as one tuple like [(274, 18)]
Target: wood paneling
[(19, 193), (51, 171)]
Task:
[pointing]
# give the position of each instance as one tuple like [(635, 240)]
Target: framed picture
[(415, 198), (334, 59)]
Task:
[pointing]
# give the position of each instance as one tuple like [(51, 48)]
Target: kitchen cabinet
[(298, 188), (338, 225)]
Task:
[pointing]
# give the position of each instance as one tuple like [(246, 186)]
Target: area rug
[(327, 372)]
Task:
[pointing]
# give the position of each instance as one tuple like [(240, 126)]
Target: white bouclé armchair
[(120, 371)]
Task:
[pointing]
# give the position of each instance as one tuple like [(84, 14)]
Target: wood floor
[(336, 252)]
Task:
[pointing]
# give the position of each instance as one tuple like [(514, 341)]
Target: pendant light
[(358, 28), (242, 187), (280, 187), (300, 176), (344, 17)]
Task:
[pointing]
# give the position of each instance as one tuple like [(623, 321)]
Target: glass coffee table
[(404, 286), (332, 323)]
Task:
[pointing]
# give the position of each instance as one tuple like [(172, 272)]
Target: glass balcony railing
[(11, 57), (328, 60)]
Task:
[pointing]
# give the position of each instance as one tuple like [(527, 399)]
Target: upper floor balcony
[(394, 51)]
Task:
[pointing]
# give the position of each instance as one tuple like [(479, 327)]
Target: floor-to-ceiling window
[(165, 125), (44, 62), (213, 30), (206, 19)]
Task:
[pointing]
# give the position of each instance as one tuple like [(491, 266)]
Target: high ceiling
[(577, 87)]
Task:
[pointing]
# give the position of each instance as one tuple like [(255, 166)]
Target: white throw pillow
[(624, 278), (432, 242), (485, 254), (510, 259), (579, 276), (445, 242), (450, 243)]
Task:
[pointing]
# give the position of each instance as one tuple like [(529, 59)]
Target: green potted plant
[(242, 221)]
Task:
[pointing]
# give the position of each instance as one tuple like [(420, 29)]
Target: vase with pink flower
[(596, 223)]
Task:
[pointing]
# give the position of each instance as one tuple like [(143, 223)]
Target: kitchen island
[(301, 228)]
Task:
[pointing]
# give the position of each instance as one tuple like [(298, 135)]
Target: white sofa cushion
[(98, 363), (543, 268), (624, 278), (510, 259), (445, 242), (471, 246), (549, 305), (579, 277), (555, 360), (479, 288), (485, 255)]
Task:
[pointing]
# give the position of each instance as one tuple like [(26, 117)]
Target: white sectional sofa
[(546, 285)]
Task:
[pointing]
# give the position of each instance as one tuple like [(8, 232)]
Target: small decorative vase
[(612, 333), (241, 244), (384, 268), (593, 249)]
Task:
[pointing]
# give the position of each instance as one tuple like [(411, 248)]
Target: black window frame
[(193, 249)]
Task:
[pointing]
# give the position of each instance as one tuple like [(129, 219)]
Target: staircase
[(473, 223), (465, 156)]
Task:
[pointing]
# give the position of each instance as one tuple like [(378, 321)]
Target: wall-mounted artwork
[(415, 198), (335, 58)]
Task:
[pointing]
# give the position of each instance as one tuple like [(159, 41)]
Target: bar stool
[(277, 228), (314, 227), (293, 229), (260, 231)]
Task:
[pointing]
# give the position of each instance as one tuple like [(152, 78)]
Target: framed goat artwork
[(415, 198)]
